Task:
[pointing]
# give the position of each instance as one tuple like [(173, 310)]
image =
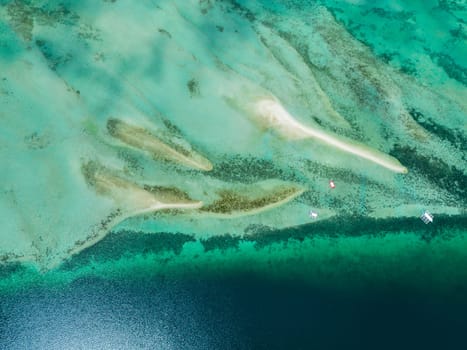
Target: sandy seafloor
[(160, 159)]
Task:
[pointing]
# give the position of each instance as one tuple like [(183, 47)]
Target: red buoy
[(332, 184)]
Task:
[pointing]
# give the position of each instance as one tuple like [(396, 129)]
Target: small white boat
[(426, 217), (313, 214)]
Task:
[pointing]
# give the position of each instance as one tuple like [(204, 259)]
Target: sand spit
[(145, 140), (251, 200), (133, 198), (290, 59), (130, 199), (273, 115)]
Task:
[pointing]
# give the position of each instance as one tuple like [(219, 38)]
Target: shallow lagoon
[(200, 134)]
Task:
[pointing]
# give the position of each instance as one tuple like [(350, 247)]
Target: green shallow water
[(366, 255)]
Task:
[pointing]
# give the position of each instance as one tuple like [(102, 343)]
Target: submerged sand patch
[(164, 149)]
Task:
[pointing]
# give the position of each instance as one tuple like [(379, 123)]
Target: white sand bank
[(274, 115)]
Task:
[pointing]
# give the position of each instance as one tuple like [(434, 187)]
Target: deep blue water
[(236, 312)]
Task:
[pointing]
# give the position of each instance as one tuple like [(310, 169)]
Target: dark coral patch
[(7, 269), (451, 67), (193, 87), (231, 201), (435, 170), (222, 242), (126, 243), (250, 170), (455, 137), (53, 55), (356, 227), (117, 245)]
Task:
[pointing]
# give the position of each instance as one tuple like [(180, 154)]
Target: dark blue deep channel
[(235, 312)]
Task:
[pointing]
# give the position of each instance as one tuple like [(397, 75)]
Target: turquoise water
[(158, 147)]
